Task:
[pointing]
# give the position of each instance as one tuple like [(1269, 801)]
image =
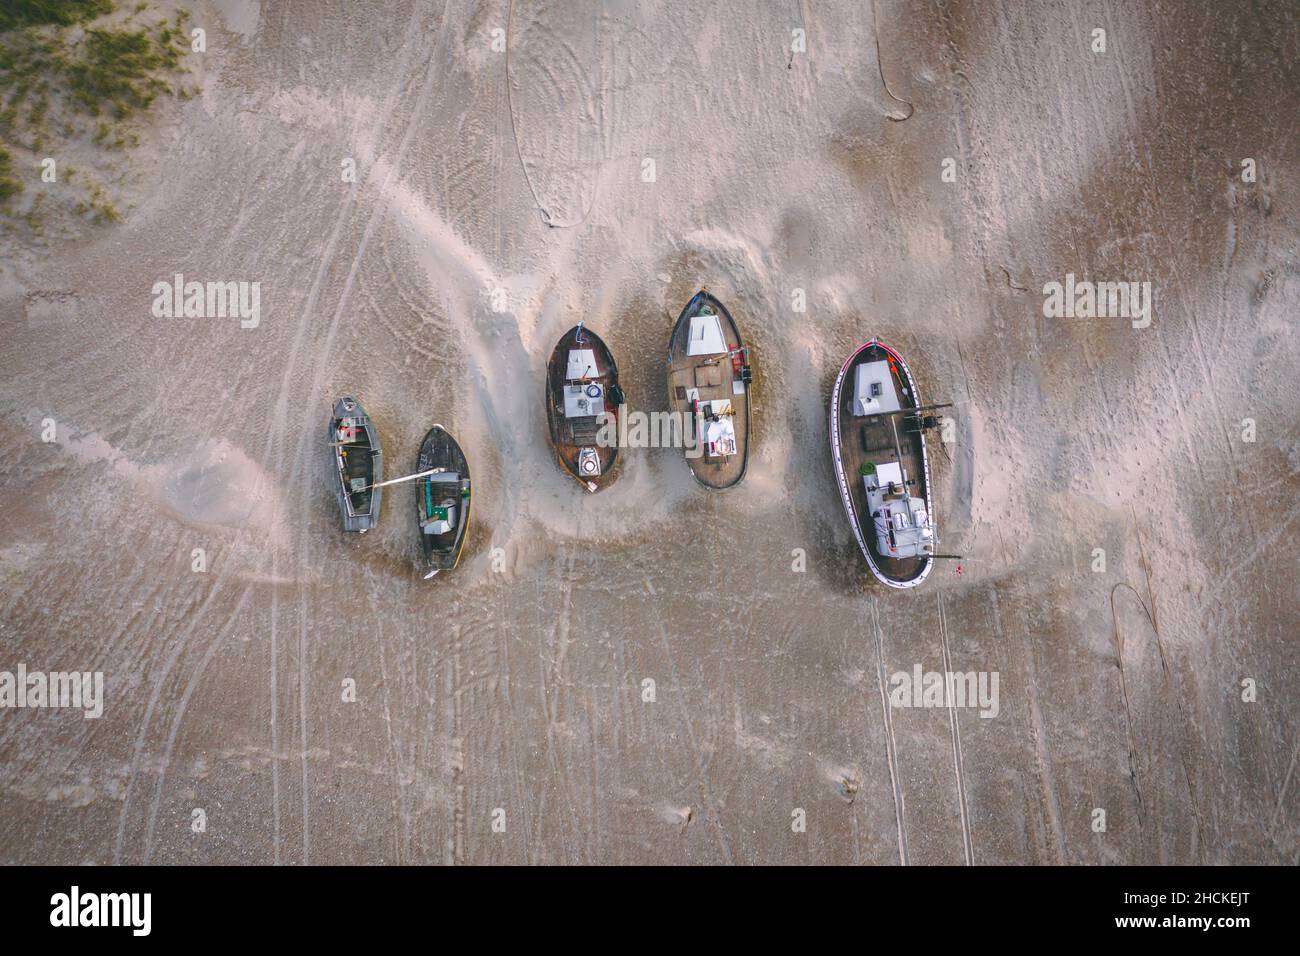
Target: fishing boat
[(882, 466), (442, 500), (709, 376), (581, 389), (358, 464)]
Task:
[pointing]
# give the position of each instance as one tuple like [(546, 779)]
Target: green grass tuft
[(10, 185), (117, 72), (94, 80), (17, 14)]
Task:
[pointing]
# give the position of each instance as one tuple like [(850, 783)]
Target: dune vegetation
[(77, 69)]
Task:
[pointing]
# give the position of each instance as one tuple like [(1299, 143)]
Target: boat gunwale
[(845, 494)]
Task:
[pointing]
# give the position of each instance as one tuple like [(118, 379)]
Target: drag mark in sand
[(1178, 700), (275, 725), (1262, 546), (1178, 706), (890, 114), (891, 744), (326, 351), (1286, 785), (514, 132), (401, 816), (302, 720), (453, 717), (553, 690), (505, 687), (957, 763), (280, 423)]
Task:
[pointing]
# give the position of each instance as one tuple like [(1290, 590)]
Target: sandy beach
[(1125, 497)]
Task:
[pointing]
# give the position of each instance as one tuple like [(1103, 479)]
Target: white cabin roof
[(889, 471), (706, 336), (582, 364), (874, 377)]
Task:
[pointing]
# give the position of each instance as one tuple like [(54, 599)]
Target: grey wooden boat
[(358, 464)]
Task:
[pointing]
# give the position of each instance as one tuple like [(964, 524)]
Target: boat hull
[(684, 377), (441, 552), (849, 449), (360, 458), (570, 437)]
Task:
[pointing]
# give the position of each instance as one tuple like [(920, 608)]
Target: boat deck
[(712, 377)]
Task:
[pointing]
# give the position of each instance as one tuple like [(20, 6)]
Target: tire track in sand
[(553, 690), (319, 367), (957, 763), (279, 424), (701, 767), (138, 748), (891, 743), (213, 646)]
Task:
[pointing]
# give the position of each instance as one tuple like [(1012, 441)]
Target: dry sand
[(516, 682)]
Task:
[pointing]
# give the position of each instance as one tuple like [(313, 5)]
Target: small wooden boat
[(358, 464), (877, 429), (442, 500), (708, 388), (582, 401)]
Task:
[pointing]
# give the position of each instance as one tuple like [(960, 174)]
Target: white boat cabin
[(582, 398), (584, 403), (706, 336), (581, 365), (901, 522), (873, 389)]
